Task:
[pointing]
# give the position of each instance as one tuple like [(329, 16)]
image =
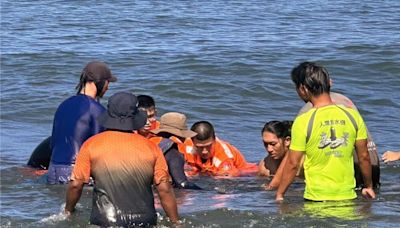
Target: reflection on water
[(344, 210)]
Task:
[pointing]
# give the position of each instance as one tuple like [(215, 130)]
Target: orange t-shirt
[(124, 166)]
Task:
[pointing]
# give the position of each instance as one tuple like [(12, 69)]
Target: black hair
[(145, 101), (281, 129), (84, 79), (204, 130), (314, 77)]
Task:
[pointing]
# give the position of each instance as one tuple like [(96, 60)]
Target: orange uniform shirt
[(225, 160), (124, 166), (155, 125)]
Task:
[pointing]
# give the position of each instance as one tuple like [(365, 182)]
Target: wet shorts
[(59, 174)]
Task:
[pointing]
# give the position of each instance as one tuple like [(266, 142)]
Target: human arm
[(289, 172), (389, 156), (74, 192), (162, 182), (276, 180), (238, 164), (176, 165), (79, 176), (365, 167), (168, 201), (227, 168)]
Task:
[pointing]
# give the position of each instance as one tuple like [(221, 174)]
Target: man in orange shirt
[(207, 154), (124, 167)]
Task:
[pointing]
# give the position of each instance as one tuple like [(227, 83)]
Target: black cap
[(123, 113), (97, 71)]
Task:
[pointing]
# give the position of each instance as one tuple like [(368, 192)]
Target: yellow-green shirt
[(327, 136)]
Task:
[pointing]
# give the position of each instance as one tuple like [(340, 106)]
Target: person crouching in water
[(147, 104), (276, 139), (124, 166), (169, 137), (207, 154)]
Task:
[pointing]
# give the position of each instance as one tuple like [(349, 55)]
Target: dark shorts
[(59, 174)]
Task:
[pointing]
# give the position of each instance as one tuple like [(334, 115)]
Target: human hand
[(189, 185), (279, 197), (368, 193), (389, 156), (177, 224), (269, 186), (67, 213)]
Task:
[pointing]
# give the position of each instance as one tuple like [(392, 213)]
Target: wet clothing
[(59, 174), (175, 161), (225, 159), (272, 164), (338, 98), (40, 157), (327, 136), (124, 167), (74, 122)]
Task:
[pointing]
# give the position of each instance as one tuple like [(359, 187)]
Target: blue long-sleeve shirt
[(74, 122)]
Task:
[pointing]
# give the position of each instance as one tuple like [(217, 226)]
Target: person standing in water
[(341, 99), (328, 165), (76, 120), (124, 166)]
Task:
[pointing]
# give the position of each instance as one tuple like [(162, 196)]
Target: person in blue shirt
[(76, 120)]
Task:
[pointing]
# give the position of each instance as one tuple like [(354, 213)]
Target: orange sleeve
[(161, 173), (227, 168), (81, 169), (238, 159)]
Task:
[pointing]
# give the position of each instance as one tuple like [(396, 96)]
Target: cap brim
[(177, 132), (112, 79), (140, 120), (128, 124)]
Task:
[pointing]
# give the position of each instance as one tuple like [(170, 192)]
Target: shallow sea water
[(223, 61)]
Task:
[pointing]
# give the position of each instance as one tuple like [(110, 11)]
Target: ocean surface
[(227, 62)]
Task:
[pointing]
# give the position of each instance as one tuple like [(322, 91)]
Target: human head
[(310, 80), (175, 124), (98, 73), (205, 138), (276, 138), (122, 113), (147, 104)]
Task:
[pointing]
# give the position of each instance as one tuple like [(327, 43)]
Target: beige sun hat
[(174, 123)]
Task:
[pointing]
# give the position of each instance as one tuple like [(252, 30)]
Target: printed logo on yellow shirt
[(333, 141)]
